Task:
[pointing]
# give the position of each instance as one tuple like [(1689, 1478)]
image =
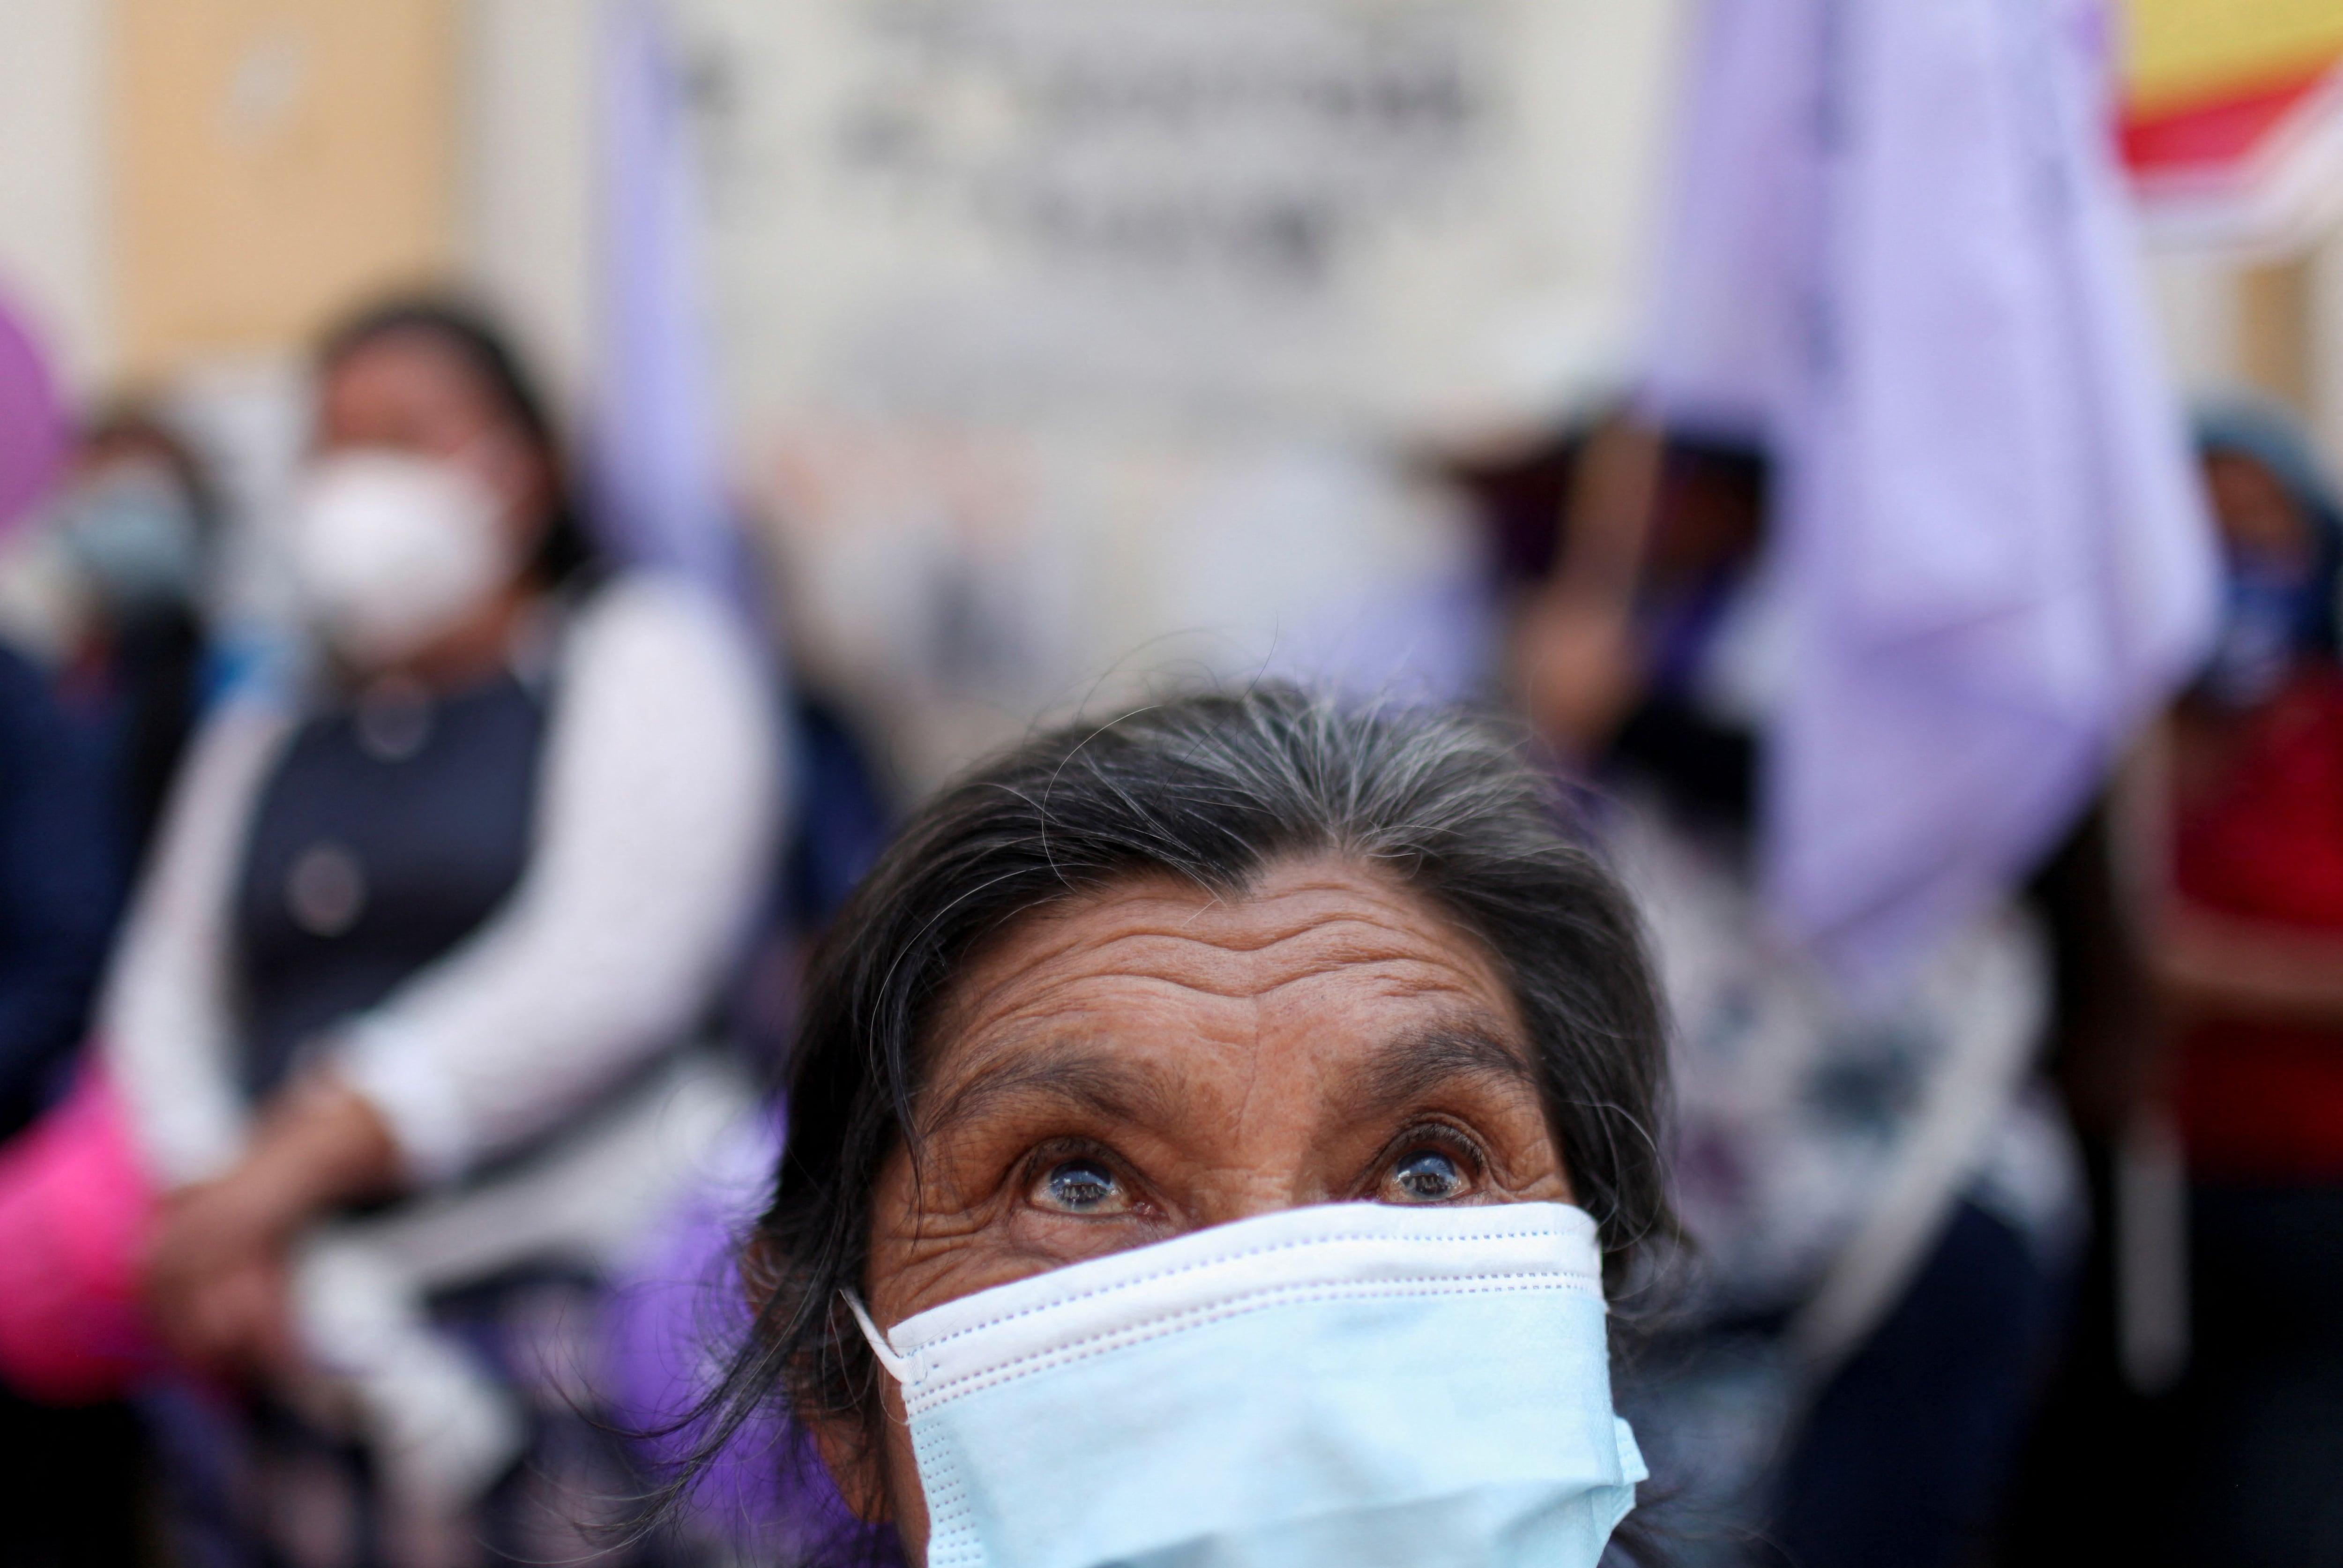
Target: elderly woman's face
[(1151, 1060)]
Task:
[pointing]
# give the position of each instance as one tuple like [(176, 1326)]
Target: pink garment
[(76, 1208)]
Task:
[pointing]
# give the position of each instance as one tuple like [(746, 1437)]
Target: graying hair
[(1212, 788)]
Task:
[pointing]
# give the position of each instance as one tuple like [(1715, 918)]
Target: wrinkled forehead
[(1319, 962)]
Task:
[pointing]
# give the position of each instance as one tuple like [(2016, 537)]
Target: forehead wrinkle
[(1040, 999), (1346, 938), (1396, 924), (1204, 966)]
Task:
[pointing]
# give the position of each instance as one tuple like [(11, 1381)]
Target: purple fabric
[(655, 466), (1900, 256), (675, 1320), (34, 427)]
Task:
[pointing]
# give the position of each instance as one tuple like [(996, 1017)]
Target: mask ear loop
[(897, 1366)]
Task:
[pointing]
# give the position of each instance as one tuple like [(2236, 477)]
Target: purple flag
[(655, 465), (32, 423), (1901, 256)]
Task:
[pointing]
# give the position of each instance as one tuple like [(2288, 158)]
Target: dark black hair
[(566, 552), (1212, 788)]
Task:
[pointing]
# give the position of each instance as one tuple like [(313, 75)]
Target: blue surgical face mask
[(2267, 604), (1350, 1386), (131, 532)]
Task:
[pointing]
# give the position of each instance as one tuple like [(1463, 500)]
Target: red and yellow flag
[(2233, 115)]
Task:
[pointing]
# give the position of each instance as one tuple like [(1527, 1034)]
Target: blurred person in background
[(397, 1016), (1880, 1200), (91, 756), (138, 524), (68, 1490), (59, 876), (135, 522), (2245, 935)]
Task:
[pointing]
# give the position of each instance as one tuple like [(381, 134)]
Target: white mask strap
[(897, 1367)]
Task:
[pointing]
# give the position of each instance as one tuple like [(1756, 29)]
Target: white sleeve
[(656, 815), (165, 1020)]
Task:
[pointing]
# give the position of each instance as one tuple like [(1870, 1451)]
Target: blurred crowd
[(369, 1008), (413, 827), (2022, 1260), (388, 1025)]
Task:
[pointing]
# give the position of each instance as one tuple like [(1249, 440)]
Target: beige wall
[(275, 159), (2269, 325), (179, 177), (2326, 326)]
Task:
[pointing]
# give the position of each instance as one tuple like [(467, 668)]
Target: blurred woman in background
[(139, 523), (397, 1008), (2246, 938), (135, 524), (95, 722), (71, 1477)]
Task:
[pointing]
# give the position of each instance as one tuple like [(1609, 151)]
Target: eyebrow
[(1413, 1066), (1074, 1072)]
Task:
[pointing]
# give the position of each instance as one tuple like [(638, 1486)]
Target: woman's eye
[(1426, 1176), (1081, 1187)]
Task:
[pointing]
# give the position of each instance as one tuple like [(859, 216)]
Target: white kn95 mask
[(391, 548)]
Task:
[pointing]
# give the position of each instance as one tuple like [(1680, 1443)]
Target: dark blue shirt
[(62, 876)]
